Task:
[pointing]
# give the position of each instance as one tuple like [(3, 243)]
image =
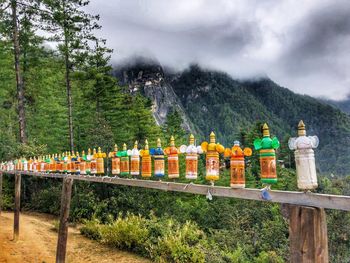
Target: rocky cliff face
[(148, 77)]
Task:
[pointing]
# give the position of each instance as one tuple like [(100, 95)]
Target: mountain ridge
[(213, 100)]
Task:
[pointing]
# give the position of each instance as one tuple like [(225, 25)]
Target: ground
[(37, 243)]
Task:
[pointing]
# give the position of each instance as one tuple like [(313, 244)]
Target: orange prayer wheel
[(192, 152), (135, 160), (124, 161), (83, 163), (93, 162), (237, 164), (115, 161), (173, 159)]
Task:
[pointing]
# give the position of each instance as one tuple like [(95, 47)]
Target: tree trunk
[(19, 79), (69, 96)]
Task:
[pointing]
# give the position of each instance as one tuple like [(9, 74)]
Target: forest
[(58, 94)]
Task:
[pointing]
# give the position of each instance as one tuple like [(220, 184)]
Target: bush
[(180, 244), (128, 233), (91, 229), (47, 200)]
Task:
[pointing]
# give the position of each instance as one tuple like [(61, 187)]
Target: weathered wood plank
[(17, 206), (64, 215), (0, 192), (297, 198), (308, 234)]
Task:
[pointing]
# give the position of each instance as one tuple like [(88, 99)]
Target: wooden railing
[(307, 218)]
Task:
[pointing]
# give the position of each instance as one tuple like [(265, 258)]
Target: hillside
[(213, 100), (343, 105), (210, 100)]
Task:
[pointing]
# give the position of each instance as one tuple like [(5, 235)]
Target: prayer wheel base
[(212, 177), (269, 180), (191, 177), (237, 185), (173, 176)]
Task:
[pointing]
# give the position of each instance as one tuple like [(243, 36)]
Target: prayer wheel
[(100, 161), (237, 164), (135, 160), (158, 157), (77, 163), (173, 159), (124, 161), (304, 158), (192, 152), (212, 150), (82, 167), (266, 147), (73, 160), (93, 164), (88, 159), (115, 162), (59, 164), (146, 162)]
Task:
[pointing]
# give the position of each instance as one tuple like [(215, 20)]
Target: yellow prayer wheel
[(146, 162), (212, 158), (100, 162)]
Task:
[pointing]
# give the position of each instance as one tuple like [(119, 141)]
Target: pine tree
[(73, 29)]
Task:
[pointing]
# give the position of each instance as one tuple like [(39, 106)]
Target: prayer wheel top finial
[(124, 147), (99, 150), (159, 143), (172, 141), (212, 137), (191, 139), (146, 145), (266, 132), (115, 147), (301, 129), (135, 145), (89, 151)]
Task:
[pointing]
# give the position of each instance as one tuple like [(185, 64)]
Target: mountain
[(343, 105), (211, 100), (147, 77)]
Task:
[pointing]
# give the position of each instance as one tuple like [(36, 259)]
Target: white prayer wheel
[(304, 158)]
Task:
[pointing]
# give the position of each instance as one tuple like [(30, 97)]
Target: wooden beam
[(288, 197), (17, 206), (308, 234), (0, 192), (64, 216)]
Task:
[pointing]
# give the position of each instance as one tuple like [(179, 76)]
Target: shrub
[(181, 243), (91, 229), (128, 233)]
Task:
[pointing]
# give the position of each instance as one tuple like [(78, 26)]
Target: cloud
[(302, 45)]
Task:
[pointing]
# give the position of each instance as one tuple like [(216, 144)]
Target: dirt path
[(37, 243)]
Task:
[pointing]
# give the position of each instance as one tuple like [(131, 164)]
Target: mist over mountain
[(211, 100)]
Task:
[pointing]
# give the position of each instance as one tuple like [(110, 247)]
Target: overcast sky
[(302, 45)]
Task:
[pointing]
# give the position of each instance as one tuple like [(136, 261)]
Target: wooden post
[(64, 215), (0, 192), (308, 234), (17, 206)]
